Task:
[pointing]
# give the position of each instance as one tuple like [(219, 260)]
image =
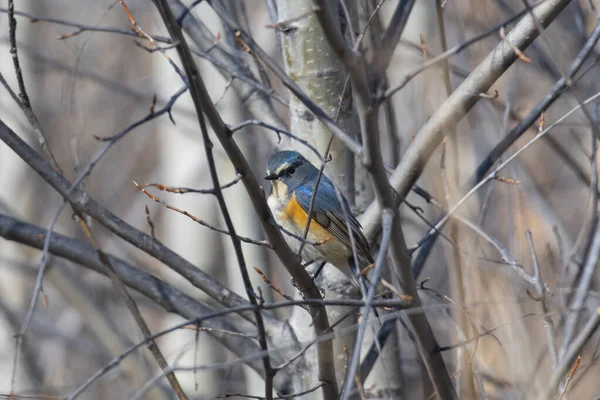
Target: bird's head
[(290, 168)]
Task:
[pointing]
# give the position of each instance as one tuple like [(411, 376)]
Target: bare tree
[(135, 135)]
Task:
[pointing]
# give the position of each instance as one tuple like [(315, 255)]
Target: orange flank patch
[(294, 213)]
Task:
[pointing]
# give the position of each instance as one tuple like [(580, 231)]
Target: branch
[(167, 296), (387, 220), (542, 290), (373, 162), (184, 190), (392, 36), (12, 31), (290, 260), (196, 219), (131, 305), (85, 203), (459, 103), (567, 360), (581, 294), (82, 27), (247, 40), (258, 102), (534, 114), (448, 53)]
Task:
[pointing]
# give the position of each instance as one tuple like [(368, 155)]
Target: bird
[(332, 225)]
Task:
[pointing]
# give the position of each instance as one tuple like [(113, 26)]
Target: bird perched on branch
[(332, 224)]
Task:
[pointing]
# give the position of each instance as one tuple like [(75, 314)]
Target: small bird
[(294, 179)]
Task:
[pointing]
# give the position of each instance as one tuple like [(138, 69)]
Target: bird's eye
[(291, 170)]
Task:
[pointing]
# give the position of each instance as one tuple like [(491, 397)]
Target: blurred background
[(87, 84)]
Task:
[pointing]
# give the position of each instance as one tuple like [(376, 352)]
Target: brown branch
[(184, 190), (167, 296), (290, 260), (201, 104), (534, 114), (390, 39), (131, 305), (271, 285), (198, 220), (458, 104), (249, 42), (85, 203), (571, 354), (373, 162)]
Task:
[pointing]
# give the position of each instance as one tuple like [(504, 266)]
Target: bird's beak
[(271, 177)]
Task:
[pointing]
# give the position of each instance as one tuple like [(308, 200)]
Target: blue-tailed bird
[(332, 224)]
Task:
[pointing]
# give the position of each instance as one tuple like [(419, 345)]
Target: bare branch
[(249, 42), (571, 354), (85, 203), (198, 220), (542, 290), (387, 220), (373, 162), (459, 103), (391, 36), (290, 260), (534, 114), (184, 190), (168, 297), (131, 305), (200, 103)]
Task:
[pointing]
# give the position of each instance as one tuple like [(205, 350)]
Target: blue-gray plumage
[(294, 179)]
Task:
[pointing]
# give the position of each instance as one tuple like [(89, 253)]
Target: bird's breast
[(291, 216), (278, 200)]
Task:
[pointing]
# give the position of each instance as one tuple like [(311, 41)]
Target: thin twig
[(184, 190), (82, 27), (149, 220), (542, 290), (198, 220), (569, 377), (494, 173), (570, 355), (379, 263), (278, 131), (12, 32), (271, 285), (132, 307), (458, 104), (448, 53), (200, 104), (508, 140)]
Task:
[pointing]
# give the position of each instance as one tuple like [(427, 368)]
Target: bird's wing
[(328, 212)]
